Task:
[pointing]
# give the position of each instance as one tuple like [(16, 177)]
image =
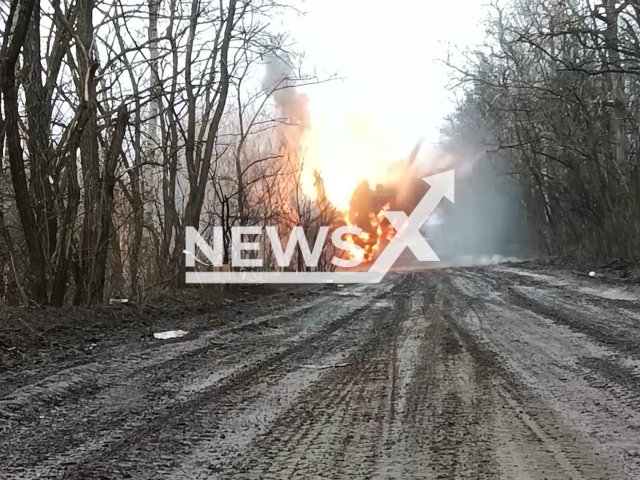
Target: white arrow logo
[(407, 228)]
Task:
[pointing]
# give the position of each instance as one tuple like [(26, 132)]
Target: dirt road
[(496, 372)]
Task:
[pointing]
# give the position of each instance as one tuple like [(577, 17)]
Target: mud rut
[(467, 374)]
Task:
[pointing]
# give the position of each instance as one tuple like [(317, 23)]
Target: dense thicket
[(555, 93)]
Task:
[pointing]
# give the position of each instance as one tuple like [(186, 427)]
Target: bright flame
[(345, 151), (372, 244)]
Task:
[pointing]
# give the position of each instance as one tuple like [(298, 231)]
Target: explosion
[(400, 189), (350, 158), (345, 150)]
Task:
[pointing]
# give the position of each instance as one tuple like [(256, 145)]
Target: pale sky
[(394, 88)]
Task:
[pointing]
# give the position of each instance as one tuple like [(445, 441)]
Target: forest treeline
[(123, 123), (553, 98)]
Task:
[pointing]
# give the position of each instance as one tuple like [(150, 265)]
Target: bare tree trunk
[(170, 148), (152, 141), (615, 78), (199, 167), (116, 265), (19, 17), (89, 159), (38, 112), (106, 205), (12, 259), (138, 229)]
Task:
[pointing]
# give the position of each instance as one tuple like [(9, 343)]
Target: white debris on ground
[(170, 334), (113, 301), (324, 367)]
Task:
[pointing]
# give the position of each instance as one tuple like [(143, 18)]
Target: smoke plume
[(292, 106)]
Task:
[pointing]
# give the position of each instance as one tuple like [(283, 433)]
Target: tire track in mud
[(606, 372), (571, 290), (446, 377), (608, 334), (542, 379), (123, 344), (337, 426), (609, 322), (90, 408), (296, 392), (532, 427), (405, 352), (448, 407), (71, 381), (138, 428)]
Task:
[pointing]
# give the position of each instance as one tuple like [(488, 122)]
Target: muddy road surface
[(484, 373)]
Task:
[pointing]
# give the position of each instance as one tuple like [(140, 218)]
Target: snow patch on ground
[(609, 293)]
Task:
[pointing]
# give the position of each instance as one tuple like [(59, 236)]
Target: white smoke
[(279, 82)]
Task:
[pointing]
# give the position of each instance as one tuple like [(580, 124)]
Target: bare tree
[(554, 95)]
